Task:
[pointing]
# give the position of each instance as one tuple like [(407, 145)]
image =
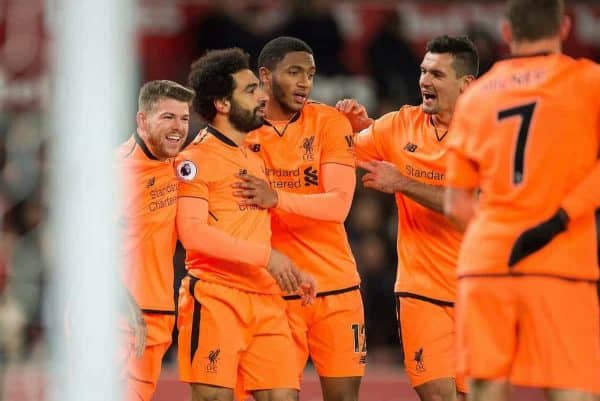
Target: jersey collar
[(525, 55), (143, 146), (217, 134), (294, 118)]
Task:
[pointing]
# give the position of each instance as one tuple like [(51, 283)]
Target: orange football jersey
[(293, 153), (207, 170), (427, 243), (150, 204), (526, 134)]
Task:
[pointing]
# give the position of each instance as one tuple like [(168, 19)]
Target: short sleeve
[(370, 143), (191, 182), (462, 170), (337, 141)]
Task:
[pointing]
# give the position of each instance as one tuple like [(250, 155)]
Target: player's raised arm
[(356, 113)]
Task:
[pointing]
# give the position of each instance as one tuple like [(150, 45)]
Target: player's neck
[(550, 45), (442, 120), (274, 112), (225, 128)]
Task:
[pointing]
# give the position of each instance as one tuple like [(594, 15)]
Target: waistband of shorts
[(194, 280), (158, 312), (325, 293), (522, 275), (423, 298)]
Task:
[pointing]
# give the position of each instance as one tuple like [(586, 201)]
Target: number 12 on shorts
[(360, 341)]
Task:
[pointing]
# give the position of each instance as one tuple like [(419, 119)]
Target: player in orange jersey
[(150, 189), (527, 136), (306, 147), (233, 331), (404, 153)]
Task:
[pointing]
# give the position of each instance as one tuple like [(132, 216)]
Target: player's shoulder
[(589, 68), (321, 111), (410, 112), (125, 149), (405, 115), (197, 148)]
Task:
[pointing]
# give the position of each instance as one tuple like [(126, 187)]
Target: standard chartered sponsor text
[(429, 174), (274, 173), (163, 197)]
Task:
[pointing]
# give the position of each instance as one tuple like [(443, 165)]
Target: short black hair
[(466, 58), (154, 91), (211, 76), (275, 50), (534, 19)]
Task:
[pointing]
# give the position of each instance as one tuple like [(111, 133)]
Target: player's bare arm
[(333, 204), (135, 319), (459, 206), (385, 177)]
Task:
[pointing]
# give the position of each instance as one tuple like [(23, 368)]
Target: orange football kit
[(309, 162), (427, 244), (233, 331), (150, 192), (527, 134)]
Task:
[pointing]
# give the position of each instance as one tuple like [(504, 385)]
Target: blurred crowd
[(383, 77)]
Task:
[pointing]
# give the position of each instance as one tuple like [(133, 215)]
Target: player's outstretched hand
[(254, 191), (136, 321), (535, 238), (283, 271), (355, 112), (382, 176)]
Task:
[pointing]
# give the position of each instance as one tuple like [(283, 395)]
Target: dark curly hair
[(211, 77)]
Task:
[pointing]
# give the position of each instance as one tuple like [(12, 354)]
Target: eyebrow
[(433, 71), (251, 86), (312, 68)]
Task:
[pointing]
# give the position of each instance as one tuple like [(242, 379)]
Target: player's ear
[(506, 32), (264, 74), (565, 27), (465, 81), (140, 119), (222, 105)]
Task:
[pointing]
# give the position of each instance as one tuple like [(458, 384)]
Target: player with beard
[(306, 147), (233, 331), (150, 188), (404, 153)]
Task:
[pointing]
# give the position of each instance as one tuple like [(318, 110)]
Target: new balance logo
[(310, 176), (410, 147)]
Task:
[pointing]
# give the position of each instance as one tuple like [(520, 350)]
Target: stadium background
[(369, 50)]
